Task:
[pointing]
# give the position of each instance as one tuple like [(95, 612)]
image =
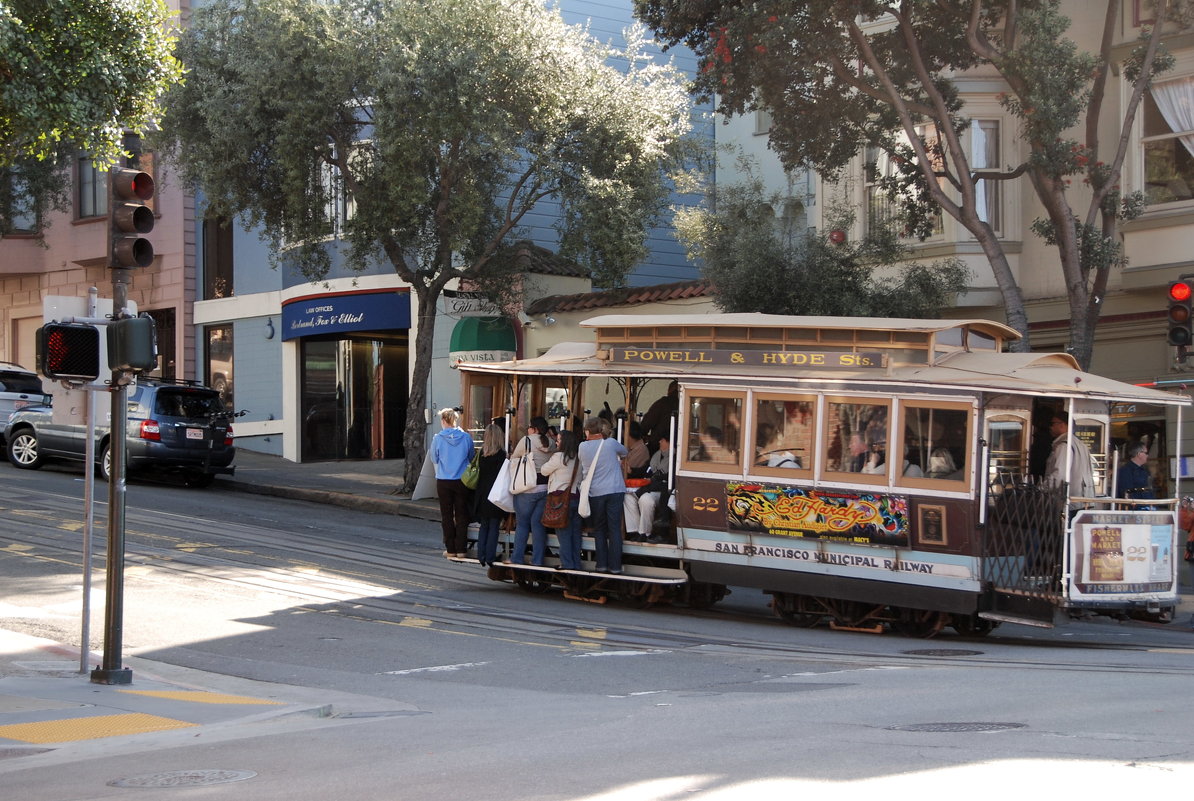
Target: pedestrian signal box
[(69, 351), (1181, 312)]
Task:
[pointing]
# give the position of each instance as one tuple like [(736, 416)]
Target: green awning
[(482, 339)]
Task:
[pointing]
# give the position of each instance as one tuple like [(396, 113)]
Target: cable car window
[(714, 432), (936, 441), (1009, 449), (856, 437), (784, 432)]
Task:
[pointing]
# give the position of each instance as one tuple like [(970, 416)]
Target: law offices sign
[(343, 312)]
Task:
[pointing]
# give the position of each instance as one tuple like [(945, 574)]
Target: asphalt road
[(454, 685)]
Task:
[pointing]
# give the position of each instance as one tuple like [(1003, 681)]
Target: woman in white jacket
[(563, 472)]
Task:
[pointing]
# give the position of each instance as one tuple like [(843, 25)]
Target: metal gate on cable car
[(868, 474)]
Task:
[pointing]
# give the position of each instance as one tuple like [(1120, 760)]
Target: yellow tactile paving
[(200, 697), (89, 728)]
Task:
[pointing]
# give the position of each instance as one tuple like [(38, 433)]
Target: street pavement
[(49, 710)]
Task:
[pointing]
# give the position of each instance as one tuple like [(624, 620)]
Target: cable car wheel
[(973, 625), (795, 609), (531, 584), (920, 623)]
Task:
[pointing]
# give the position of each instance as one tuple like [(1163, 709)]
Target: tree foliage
[(74, 75), (444, 121), (759, 264), (841, 75)]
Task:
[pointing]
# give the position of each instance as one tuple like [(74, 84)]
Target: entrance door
[(353, 397)]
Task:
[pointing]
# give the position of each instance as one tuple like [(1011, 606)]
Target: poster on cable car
[(1123, 552), (857, 517)]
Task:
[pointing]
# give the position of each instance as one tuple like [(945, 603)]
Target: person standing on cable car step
[(603, 459), (451, 452), (528, 506), (1133, 479), (1081, 478)]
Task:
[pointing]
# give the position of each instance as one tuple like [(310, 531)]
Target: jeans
[(569, 536), (528, 513), (606, 518), (487, 540)]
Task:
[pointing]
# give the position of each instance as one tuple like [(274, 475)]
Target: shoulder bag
[(499, 494), (584, 510), (523, 476), (472, 473), (555, 510)]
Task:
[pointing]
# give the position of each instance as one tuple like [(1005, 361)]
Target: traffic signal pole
[(128, 218), (111, 669)]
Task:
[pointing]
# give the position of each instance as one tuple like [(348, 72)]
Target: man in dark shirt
[(658, 419), (1133, 479)]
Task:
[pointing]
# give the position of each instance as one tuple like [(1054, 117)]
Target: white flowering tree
[(444, 121)]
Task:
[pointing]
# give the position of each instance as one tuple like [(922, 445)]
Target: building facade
[(1130, 343)]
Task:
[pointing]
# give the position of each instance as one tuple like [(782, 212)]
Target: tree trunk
[(414, 440), (1014, 312)]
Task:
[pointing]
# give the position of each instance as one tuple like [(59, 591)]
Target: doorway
[(353, 393)]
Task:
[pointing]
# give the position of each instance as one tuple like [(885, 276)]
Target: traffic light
[(129, 218), (69, 351), (1181, 318), (132, 344)]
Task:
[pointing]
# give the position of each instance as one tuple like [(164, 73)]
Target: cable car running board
[(1023, 621)]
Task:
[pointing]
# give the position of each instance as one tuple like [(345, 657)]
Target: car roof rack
[(181, 382)]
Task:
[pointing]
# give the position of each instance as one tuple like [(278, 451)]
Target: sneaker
[(614, 572)]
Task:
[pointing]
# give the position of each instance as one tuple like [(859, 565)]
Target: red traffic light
[(129, 217), (1180, 329)]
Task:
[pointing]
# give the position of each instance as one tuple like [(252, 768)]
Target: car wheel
[(198, 480), (105, 463), (23, 451)]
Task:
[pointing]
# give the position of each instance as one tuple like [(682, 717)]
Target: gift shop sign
[(349, 311)]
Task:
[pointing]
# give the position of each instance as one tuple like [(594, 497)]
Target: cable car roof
[(1054, 374), (757, 320)]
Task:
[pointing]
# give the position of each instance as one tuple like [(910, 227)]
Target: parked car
[(18, 388), (176, 427)]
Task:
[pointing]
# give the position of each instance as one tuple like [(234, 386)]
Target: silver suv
[(177, 428), (18, 388)]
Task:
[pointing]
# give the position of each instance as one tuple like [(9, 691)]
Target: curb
[(364, 503)]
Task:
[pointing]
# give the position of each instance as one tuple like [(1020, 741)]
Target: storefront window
[(219, 362)]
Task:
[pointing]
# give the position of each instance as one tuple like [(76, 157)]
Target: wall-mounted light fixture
[(549, 320), (269, 328)]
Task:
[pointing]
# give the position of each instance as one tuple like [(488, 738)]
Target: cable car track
[(347, 580)]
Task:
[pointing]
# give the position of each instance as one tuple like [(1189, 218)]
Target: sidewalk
[(366, 485), (51, 713)]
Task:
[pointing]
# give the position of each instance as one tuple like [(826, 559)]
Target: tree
[(445, 121), (756, 265), (74, 75), (841, 75)]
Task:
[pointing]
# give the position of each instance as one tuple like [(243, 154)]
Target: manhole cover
[(184, 778), (942, 652), (955, 727)]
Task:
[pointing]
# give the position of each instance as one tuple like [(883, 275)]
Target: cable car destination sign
[(754, 358)]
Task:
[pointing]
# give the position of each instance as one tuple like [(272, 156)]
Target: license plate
[(194, 433)]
